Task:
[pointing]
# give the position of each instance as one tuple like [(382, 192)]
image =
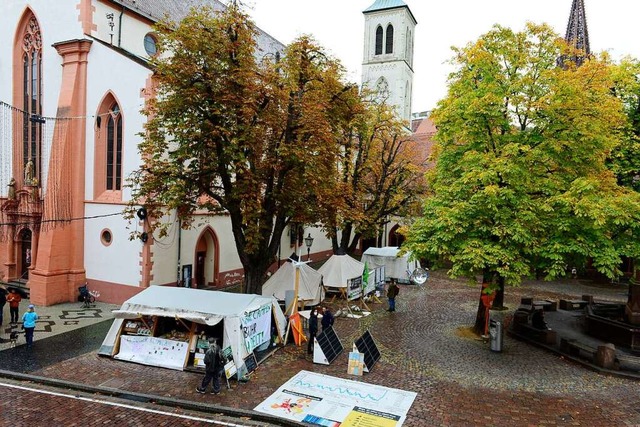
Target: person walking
[(14, 299), (313, 329), (392, 293), (213, 368), (29, 324), (327, 318)]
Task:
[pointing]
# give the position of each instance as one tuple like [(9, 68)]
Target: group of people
[(326, 322), (29, 318)]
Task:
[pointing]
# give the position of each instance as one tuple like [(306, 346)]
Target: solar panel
[(366, 345), (329, 344)]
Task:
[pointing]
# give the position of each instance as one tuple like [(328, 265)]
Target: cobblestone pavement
[(425, 349)]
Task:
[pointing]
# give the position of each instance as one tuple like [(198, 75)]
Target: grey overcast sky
[(339, 26)]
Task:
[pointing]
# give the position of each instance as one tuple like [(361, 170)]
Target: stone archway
[(207, 260), (395, 238), (24, 254)]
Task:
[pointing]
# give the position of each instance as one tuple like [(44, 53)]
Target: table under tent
[(169, 327), (343, 274)]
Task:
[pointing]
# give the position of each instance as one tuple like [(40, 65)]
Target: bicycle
[(88, 297)]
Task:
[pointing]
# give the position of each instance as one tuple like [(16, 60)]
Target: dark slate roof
[(176, 10)]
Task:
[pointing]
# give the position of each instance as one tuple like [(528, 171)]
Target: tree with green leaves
[(521, 184), (234, 131), (380, 175)]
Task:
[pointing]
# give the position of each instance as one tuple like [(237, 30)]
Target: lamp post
[(308, 241)]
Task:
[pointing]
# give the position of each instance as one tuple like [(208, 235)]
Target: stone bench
[(578, 349), (570, 305), (546, 305), (629, 363), (544, 336)]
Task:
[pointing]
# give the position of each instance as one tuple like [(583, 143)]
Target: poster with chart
[(330, 401), (153, 351)]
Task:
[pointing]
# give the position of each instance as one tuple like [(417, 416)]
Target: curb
[(154, 399)]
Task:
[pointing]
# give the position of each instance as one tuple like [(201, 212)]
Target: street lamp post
[(308, 241)]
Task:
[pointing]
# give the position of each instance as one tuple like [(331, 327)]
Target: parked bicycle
[(87, 296)]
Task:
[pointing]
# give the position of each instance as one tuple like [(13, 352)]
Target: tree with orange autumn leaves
[(262, 138)]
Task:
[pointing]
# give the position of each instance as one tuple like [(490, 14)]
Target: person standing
[(327, 318), (213, 368), (392, 293), (14, 299), (313, 329), (3, 301), (29, 324)]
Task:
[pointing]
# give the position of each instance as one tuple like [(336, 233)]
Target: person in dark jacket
[(392, 293), (327, 318), (213, 368), (313, 329)]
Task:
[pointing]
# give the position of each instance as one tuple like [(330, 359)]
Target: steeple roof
[(577, 32), (379, 5)]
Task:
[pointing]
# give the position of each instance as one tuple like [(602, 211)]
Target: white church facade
[(74, 76)]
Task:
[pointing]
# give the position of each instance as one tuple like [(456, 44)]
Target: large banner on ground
[(153, 351), (256, 327), (329, 401)]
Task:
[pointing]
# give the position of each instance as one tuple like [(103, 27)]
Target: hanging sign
[(256, 327)]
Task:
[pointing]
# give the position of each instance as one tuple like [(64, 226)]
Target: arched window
[(108, 150), (32, 97), (389, 41), (408, 47), (379, 35), (114, 149)]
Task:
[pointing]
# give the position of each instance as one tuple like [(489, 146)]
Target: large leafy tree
[(380, 175), (520, 182), (235, 131)]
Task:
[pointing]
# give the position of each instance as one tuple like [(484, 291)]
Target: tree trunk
[(481, 315), (253, 278), (498, 302)]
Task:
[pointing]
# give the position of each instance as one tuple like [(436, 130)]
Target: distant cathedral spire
[(577, 32)]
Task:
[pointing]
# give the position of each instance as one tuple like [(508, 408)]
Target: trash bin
[(495, 334)]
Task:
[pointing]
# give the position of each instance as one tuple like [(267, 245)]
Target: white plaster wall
[(120, 261), (128, 31), (165, 255), (58, 22), (109, 70)]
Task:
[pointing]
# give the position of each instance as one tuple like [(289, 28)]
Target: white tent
[(339, 269), (284, 279), (238, 312), (396, 267)]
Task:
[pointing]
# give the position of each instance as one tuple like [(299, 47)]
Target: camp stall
[(342, 271), (169, 327), (310, 291), (397, 266)]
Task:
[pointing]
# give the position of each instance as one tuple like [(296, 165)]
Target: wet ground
[(424, 348)]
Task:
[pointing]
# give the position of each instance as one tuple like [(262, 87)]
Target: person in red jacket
[(14, 299)]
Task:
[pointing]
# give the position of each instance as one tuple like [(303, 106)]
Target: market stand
[(169, 327)]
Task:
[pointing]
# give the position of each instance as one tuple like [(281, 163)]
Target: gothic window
[(114, 149), (408, 47), (389, 41), (109, 144), (32, 96), (379, 34)]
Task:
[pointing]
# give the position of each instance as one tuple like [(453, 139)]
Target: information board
[(354, 288), (250, 363), (230, 367), (153, 351)]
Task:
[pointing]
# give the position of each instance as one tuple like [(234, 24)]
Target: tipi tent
[(396, 267), (339, 269), (284, 279), (244, 323)]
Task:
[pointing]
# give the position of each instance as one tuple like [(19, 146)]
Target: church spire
[(577, 32)]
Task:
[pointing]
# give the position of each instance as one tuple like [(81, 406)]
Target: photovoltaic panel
[(366, 345), (330, 344)]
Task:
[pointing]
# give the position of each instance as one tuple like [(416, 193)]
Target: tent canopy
[(395, 266), (339, 269), (200, 306), (284, 279)]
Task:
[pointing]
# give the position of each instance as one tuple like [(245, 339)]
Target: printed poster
[(153, 351), (256, 327), (330, 401)]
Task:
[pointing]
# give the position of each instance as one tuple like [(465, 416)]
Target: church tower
[(577, 32), (387, 66)]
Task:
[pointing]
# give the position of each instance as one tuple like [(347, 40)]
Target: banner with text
[(153, 351), (256, 327)]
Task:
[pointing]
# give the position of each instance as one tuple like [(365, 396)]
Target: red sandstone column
[(59, 269)]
